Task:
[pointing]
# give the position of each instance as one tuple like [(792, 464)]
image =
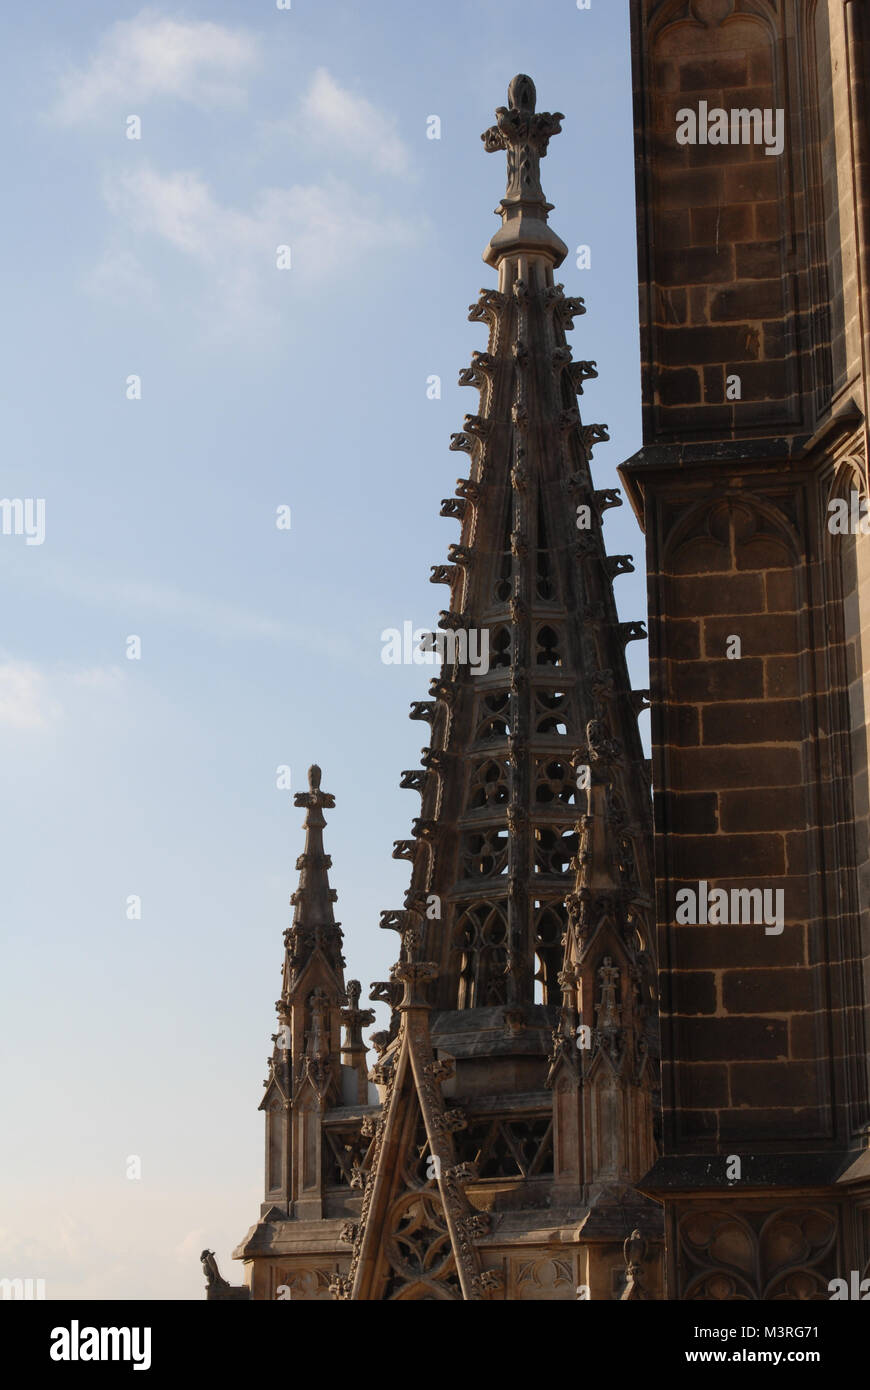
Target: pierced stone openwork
[(415, 1173), (493, 717), (489, 784), (500, 646), (508, 1147), (503, 586), (346, 1155), (549, 647), (484, 853), (419, 1251), (555, 781), (481, 939), (550, 710), (555, 847), (551, 921)]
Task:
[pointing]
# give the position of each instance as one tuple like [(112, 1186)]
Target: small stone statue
[(216, 1287), (608, 1009)]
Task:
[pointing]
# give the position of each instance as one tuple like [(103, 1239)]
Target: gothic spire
[(532, 585), (533, 688), (314, 926), (516, 1073), (305, 1074)]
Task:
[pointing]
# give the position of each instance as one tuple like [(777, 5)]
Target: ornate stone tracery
[(780, 1254), (486, 1104)]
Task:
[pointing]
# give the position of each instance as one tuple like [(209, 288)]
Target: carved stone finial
[(314, 798), (523, 133), (314, 926), (354, 1019), (521, 93)]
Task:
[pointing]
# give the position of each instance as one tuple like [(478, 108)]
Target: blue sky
[(260, 647)]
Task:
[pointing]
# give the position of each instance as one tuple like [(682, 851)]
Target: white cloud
[(150, 56), (121, 277), (106, 678), (178, 208), (32, 697), (335, 117), (26, 701), (329, 226)]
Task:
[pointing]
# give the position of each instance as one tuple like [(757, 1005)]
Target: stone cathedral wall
[(754, 293)]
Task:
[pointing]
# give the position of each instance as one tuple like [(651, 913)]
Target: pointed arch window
[(481, 942), (551, 920)]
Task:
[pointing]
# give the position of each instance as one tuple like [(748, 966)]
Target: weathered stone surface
[(518, 1078), (758, 275)]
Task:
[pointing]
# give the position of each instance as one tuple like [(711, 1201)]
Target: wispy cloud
[(331, 117), (152, 55), (329, 223), (214, 616), (120, 277), (33, 697), (167, 606), (328, 226), (26, 700)]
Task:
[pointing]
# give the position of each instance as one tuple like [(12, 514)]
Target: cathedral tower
[(493, 1152)]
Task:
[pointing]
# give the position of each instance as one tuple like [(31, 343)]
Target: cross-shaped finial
[(314, 797)]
